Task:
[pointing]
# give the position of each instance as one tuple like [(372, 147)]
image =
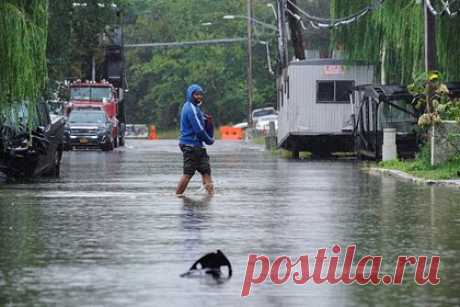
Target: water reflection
[(194, 219), (21, 247)]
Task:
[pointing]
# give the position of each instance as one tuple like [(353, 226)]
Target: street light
[(269, 62), (229, 17), (274, 10)]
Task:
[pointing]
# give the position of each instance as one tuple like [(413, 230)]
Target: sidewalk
[(405, 176)]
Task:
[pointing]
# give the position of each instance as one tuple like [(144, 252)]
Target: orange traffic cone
[(153, 133)]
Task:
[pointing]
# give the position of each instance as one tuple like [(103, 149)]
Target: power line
[(187, 44), (446, 9), (318, 22)]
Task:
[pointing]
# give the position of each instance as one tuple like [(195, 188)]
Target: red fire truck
[(100, 95)]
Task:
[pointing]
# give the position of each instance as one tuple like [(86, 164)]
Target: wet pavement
[(110, 231)]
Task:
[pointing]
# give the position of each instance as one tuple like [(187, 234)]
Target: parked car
[(89, 128), (113, 120), (261, 118), (262, 112), (31, 143), (263, 122)]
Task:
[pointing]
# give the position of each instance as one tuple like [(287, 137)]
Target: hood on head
[(192, 88)]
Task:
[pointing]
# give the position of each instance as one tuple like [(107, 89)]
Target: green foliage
[(316, 39), (448, 170), (450, 110), (158, 78), (444, 106), (23, 38), (397, 28), (421, 166), (74, 36)]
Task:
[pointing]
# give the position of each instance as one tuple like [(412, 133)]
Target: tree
[(75, 29), (394, 35), (316, 39), (158, 78), (23, 39)]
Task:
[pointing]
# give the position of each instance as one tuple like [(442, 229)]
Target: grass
[(258, 140), (421, 167)]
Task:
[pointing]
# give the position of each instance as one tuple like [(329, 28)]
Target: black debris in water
[(211, 264)]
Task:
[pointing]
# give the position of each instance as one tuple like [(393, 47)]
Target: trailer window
[(342, 88), (325, 91), (333, 91)]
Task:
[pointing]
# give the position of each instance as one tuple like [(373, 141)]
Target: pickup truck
[(88, 128), (31, 142)]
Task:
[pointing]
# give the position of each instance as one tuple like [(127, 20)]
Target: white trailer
[(314, 105)]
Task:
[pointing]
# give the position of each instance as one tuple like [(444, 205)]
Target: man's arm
[(198, 126)]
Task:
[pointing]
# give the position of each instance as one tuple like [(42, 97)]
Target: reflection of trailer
[(314, 107), (376, 107)]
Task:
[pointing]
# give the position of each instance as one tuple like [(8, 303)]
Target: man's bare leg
[(182, 185), (208, 185)]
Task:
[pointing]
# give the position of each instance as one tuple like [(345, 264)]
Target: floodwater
[(110, 231)]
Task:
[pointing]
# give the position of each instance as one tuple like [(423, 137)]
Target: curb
[(407, 177)]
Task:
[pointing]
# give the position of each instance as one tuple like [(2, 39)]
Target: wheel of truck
[(55, 168), (108, 146), (121, 141)]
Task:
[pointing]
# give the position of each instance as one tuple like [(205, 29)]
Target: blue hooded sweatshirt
[(192, 122)]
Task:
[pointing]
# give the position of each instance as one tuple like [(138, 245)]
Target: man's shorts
[(195, 159)]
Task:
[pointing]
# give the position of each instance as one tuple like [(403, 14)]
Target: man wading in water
[(195, 128)]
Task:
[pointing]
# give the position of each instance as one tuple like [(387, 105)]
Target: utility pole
[(430, 65), (249, 68), (282, 40), (430, 53), (93, 68)]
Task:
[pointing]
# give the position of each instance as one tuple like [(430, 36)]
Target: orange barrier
[(230, 133), (153, 133)]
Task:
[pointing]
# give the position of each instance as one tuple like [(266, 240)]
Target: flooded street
[(111, 232)]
